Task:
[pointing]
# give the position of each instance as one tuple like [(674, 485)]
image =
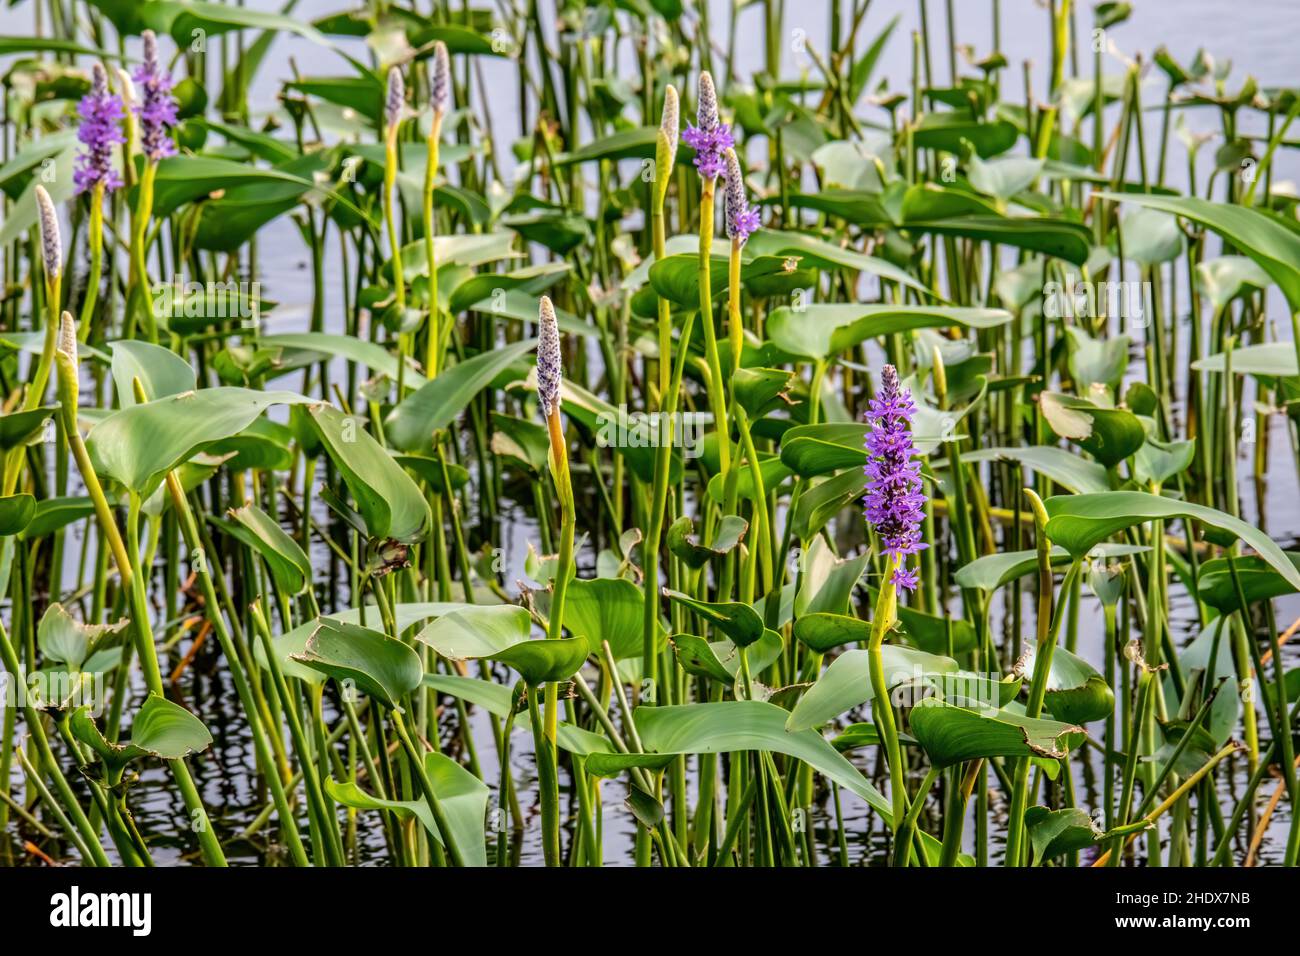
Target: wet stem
[(882, 709)]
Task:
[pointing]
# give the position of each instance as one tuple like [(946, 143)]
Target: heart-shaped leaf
[(377, 665), (389, 501)]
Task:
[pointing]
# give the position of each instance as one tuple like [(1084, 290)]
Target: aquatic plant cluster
[(957, 574)]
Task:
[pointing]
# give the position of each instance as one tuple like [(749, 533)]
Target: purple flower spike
[(741, 220), (157, 111), (101, 129), (710, 138), (894, 498)]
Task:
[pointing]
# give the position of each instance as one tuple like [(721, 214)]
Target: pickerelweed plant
[(156, 115), (100, 132), (894, 508), (460, 621)]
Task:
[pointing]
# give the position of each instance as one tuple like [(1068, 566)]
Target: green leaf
[(819, 254), (992, 571), (364, 94), (609, 609), (54, 513), (462, 795), (825, 500), (391, 504), (1225, 278), (183, 179), (1151, 237), (730, 532), (946, 131), (1109, 434), (1063, 467), (1158, 461), (1259, 581), (372, 355), (677, 278), (951, 734), (931, 633), (168, 731), (1076, 692), (161, 371), (759, 390), (16, 512), (772, 469), (1096, 360), (64, 639), (24, 427), (1080, 522), (1267, 360), (289, 565), (410, 426), (1054, 833), (822, 331), (737, 621), (430, 470), (545, 661), (1004, 177), (636, 143), (812, 450), (137, 446), (738, 725), (477, 631), (1266, 240), (847, 682), (525, 442), (501, 633), (827, 582), (823, 632), (181, 18), (721, 660), (377, 665)]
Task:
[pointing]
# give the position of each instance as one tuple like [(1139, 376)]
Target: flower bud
[(706, 115), (395, 100), (549, 366), (65, 357), (440, 84), (51, 241), (666, 144)]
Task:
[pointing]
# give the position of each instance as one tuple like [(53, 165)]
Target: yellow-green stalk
[(708, 119), (132, 576), (394, 107), (52, 262), (549, 375), (669, 385), (440, 100)]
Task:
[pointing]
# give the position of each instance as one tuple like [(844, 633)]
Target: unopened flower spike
[(710, 137), (51, 241), (668, 126), (549, 370), (65, 360), (741, 220), (894, 500), (440, 83), (396, 98), (67, 341)]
